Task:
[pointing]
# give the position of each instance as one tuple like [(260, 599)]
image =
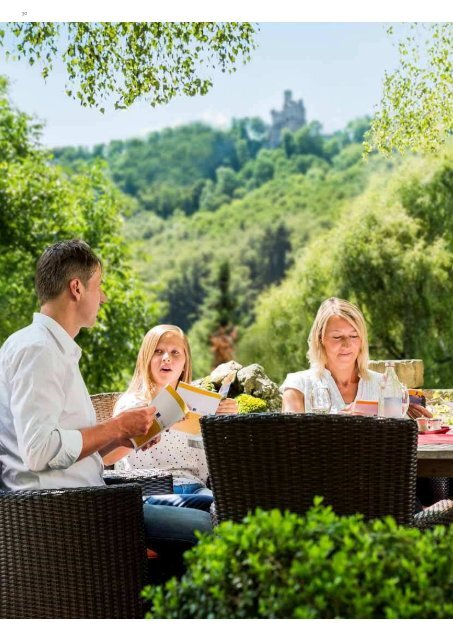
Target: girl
[(164, 358)]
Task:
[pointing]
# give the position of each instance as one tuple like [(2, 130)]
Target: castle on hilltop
[(291, 117)]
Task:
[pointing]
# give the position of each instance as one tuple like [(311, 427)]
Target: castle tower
[(291, 117)]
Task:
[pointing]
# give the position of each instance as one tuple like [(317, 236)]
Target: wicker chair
[(358, 464), (72, 553), (78, 553), (104, 404)]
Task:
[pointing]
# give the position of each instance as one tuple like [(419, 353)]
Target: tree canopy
[(39, 205), (129, 60), (416, 110)]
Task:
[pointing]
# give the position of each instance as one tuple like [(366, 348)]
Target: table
[(433, 460)]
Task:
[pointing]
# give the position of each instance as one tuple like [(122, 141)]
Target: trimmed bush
[(250, 404), (276, 565)]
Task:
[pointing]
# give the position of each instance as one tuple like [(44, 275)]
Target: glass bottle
[(393, 396)]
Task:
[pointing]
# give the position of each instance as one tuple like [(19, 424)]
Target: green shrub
[(276, 565), (207, 383), (250, 404)]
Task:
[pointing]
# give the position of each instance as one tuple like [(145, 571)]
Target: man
[(48, 432)]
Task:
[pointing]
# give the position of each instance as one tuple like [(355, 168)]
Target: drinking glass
[(321, 402)]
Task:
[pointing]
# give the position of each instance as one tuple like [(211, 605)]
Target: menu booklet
[(201, 402), (365, 407), (170, 408)]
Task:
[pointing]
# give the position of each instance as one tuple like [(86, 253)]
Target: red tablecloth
[(436, 438)]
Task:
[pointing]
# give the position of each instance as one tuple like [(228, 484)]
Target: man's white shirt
[(44, 404)]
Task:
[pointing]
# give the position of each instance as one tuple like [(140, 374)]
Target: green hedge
[(276, 565)]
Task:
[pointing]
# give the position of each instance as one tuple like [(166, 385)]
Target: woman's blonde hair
[(142, 383), (342, 308)]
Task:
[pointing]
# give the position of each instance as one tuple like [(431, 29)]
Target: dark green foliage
[(250, 135), (263, 168), (185, 292), (39, 205), (227, 181), (220, 312), (196, 167), (18, 134), (268, 256), (168, 169), (288, 143), (308, 140), (223, 304), (321, 565)]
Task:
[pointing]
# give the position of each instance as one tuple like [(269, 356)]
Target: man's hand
[(134, 422), (114, 433), (126, 425)]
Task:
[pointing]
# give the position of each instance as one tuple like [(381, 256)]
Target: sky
[(336, 68)]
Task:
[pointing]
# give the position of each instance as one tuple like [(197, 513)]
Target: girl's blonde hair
[(142, 383), (342, 308)]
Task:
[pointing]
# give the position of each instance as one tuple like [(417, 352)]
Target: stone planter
[(251, 380)]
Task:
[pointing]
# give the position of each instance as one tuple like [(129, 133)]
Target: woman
[(338, 356), (164, 358)]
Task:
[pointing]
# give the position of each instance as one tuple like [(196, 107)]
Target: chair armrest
[(152, 482), (439, 513), (72, 553)]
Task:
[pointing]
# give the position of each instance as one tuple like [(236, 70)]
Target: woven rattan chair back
[(103, 404), (358, 464), (72, 553)]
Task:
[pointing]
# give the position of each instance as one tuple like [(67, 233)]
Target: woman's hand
[(417, 411), (227, 406)]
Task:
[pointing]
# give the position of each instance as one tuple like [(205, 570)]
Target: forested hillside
[(218, 216), (232, 234), (168, 170)]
